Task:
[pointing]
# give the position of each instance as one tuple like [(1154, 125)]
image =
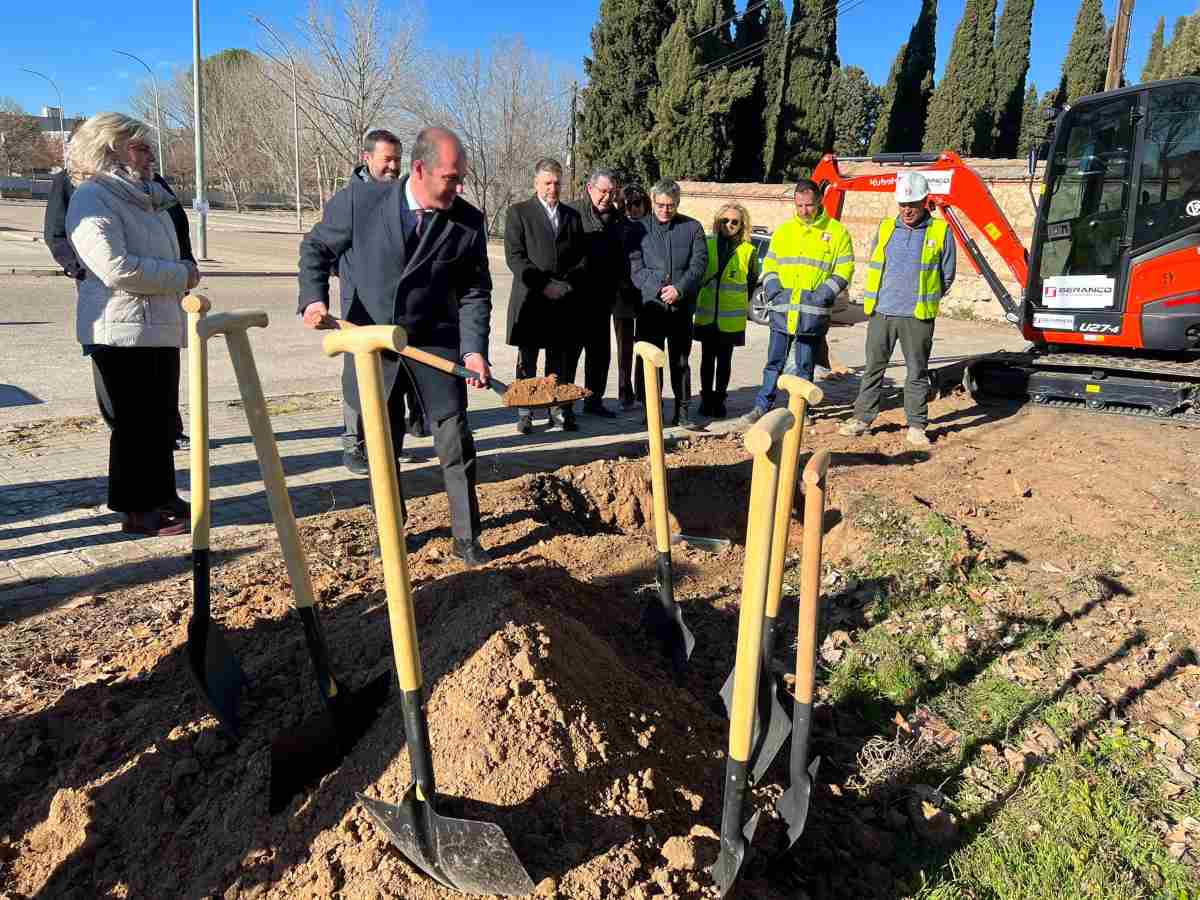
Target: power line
[(749, 9)]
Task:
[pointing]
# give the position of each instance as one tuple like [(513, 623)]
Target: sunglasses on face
[(732, 221)]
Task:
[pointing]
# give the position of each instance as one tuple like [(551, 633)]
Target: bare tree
[(509, 107), (352, 62), (23, 148)]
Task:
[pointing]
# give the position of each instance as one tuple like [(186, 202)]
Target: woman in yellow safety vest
[(720, 322)]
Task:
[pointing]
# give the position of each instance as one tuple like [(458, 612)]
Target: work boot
[(917, 437), (753, 416), (354, 455), (854, 428), (471, 552)]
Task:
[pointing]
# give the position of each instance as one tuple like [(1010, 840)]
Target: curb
[(47, 272)]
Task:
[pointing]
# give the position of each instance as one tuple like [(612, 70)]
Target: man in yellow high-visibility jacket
[(809, 262), (912, 267)]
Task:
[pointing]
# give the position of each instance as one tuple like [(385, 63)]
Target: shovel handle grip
[(767, 434), (365, 339), (238, 320), (801, 395), (196, 303), (651, 355), (810, 575)]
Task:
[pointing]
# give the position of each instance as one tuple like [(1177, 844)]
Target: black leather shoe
[(178, 508), (599, 409), (568, 423), (471, 552), (355, 460)]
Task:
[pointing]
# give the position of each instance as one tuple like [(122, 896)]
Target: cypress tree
[(1033, 126), (1152, 71), (960, 112), (690, 107), (806, 125), (1086, 64), (748, 128), (855, 110), (775, 77), (1182, 55), (1012, 64), (905, 99), (621, 72)]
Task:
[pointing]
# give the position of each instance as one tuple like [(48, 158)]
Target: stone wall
[(771, 205)]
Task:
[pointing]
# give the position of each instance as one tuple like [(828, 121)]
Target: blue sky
[(74, 44)]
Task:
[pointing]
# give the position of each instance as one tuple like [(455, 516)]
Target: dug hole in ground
[(1007, 687)]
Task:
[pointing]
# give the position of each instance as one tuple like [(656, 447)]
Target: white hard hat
[(911, 187)]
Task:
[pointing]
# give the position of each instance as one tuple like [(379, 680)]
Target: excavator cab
[(1116, 251)]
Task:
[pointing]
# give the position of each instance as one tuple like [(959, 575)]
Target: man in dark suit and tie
[(420, 261), (544, 248)]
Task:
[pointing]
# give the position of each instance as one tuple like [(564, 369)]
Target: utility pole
[(62, 131), (1120, 45), (295, 114), (200, 205), (157, 113), (574, 102)]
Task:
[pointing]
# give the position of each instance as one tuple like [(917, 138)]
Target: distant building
[(48, 123)]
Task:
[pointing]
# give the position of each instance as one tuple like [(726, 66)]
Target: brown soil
[(546, 391), (550, 712)]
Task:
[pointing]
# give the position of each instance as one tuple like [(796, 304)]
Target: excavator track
[(1159, 388)]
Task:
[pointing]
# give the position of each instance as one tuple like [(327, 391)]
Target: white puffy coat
[(135, 278)]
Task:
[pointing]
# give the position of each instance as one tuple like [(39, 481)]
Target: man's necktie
[(421, 214)]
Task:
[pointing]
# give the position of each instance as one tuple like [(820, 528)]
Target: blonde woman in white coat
[(128, 317)]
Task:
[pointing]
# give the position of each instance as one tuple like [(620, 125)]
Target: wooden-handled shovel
[(662, 619), (771, 725), (300, 755), (793, 805), (469, 856), (211, 663), (764, 441)]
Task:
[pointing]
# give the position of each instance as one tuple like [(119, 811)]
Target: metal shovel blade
[(300, 756), (733, 854), (216, 671), (663, 618), (765, 743), (470, 857), (793, 805)]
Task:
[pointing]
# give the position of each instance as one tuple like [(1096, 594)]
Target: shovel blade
[(793, 805), (765, 743), (301, 756), (663, 619), (216, 672), (470, 857), (733, 853)]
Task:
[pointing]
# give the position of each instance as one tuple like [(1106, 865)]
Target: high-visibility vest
[(726, 298), (807, 265), (929, 278)]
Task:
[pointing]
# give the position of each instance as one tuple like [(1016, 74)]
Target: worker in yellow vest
[(912, 267), (720, 321), (810, 261)]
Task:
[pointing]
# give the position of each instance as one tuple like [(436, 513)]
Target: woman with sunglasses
[(720, 323)]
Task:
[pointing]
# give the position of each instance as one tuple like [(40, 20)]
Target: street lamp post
[(200, 205), (61, 130), (157, 113), (295, 113)]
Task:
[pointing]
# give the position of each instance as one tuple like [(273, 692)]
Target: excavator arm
[(955, 188)]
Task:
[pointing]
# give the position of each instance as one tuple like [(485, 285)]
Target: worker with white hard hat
[(912, 267)]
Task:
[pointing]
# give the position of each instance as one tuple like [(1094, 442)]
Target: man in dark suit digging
[(420, 261)]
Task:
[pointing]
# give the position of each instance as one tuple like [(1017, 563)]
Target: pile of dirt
[(551, 712), (542, 392)]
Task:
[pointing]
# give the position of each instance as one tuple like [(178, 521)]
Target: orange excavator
[(1110, 289)]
